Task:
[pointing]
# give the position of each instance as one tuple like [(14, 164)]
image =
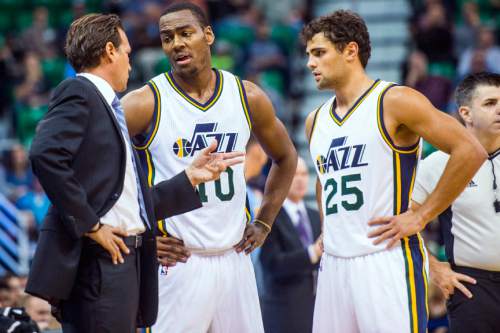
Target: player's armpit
[(139, 107)]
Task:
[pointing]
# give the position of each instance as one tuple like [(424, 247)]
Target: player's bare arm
[(274, 139), (139, 106), (309, 128), (409, 115)]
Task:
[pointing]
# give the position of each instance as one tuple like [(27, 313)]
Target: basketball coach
[(96, 256)]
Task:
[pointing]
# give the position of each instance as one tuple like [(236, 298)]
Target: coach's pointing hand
[(208, 165)]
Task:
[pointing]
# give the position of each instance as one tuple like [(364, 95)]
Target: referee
[(471, 225)]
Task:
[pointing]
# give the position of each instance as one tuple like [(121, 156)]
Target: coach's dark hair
[(194, 9), (341, 27), (466, 88), (87, 38)]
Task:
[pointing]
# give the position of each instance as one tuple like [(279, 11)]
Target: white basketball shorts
[(383, 292)]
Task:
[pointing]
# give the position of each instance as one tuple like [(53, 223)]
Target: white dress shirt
[(292, 209), (125, 213)]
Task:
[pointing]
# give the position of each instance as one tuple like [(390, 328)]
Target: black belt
[(477, 273), (133, 241)]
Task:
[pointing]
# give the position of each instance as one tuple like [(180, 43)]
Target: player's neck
[(199, 85), (491, 143), (350, 90)]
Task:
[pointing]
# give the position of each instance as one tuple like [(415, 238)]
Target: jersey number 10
[(218, 187)]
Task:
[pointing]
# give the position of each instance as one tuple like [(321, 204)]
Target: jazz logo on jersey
[(201, 138), (341, 156)]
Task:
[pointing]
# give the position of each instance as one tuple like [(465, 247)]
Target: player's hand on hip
[(171, 250), (110, 238), (394, 228), (208, 165), (254, 236), (447, 280)]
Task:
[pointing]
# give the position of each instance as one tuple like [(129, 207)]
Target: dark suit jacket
[(78, 154), (289, 277)]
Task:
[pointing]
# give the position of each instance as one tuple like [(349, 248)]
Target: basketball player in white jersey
[(365, 143), (176, 114)]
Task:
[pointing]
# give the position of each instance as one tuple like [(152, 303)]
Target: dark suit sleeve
[(175, 196), (56, 142), (282, 263)]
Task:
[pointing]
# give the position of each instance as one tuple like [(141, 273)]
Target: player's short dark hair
[(341, 27), (87, 38), (194, 9), (466, 89)]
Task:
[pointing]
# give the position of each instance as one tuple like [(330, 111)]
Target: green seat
[(23, 20), (274, 80), (5, 21), (237, 34), (224, 62), (27, 119), (444, 69), (427, 149), (53, 70), (162, 66), (285, 36)]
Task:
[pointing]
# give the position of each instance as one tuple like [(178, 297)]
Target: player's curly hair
[(341, 27), (87, 38)]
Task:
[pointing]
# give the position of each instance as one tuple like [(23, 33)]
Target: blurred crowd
[(449, 40), (256, 39)]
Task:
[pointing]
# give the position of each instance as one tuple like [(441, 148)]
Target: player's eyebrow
[(490, 99), (317, 48), (167, 30)]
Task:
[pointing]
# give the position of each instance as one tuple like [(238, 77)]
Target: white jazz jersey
[(363, 174), (183, 127)]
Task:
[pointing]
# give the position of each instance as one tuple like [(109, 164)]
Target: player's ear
[(209, 35), (465, 113), (351, 51)]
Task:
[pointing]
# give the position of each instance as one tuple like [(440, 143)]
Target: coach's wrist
[(191, 177), (94, 229)]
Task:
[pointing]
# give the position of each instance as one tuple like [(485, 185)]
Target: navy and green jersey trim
[(383, 130), (416, 282), (219, 81), (494, 154), (316, 112), (405, 170), (244, 102), (147, 163), (340, 121), (143, 141)]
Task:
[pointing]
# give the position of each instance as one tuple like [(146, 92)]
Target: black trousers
[(105, 297), (481, 313)]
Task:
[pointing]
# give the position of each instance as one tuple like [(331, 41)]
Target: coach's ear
[(465, 113)]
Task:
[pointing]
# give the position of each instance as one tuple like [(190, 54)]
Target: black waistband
[(478, 273), (133, 242)]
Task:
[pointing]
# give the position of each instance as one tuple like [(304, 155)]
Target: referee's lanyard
[(496, 203)]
